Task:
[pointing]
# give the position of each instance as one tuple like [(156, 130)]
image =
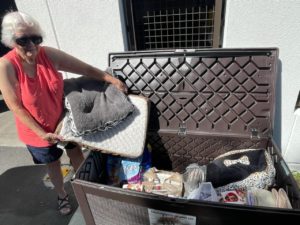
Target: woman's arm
[(8, 87), (65, 62)]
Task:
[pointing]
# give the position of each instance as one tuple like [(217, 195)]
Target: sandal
[(64, 206)]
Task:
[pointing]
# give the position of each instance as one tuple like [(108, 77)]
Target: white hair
[(15, 21)]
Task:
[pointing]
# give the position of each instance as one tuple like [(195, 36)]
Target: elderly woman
[(32, 88)]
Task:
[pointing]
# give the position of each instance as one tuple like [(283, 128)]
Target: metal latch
[(182, 129), (254, 133)]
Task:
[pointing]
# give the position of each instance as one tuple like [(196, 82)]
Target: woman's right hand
[(52, 138)]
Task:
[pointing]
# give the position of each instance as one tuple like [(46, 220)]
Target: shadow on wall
[(123, 24), (278, 103)]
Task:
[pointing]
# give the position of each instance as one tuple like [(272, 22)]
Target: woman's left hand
[(120, 85)]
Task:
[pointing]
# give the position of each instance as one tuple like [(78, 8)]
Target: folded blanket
[(94, 105), (126, 139)]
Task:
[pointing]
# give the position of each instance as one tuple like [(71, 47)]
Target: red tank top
[(41, 96)]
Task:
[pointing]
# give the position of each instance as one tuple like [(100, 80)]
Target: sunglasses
[(24, 41)]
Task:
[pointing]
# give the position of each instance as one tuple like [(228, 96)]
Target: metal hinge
[(182, 129), (255, 133)]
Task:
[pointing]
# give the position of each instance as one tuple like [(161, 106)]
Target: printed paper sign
[(157, 217)]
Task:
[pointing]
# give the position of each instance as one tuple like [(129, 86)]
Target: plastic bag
[(194, 174), (205, 192)]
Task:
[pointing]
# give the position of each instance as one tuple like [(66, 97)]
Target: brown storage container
[(203, 103)]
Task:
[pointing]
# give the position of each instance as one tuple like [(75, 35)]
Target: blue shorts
[(45, 155)]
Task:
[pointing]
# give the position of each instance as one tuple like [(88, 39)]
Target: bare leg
[(76, 156), (56, 177)]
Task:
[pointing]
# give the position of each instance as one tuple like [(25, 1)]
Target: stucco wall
[(90, 29), (273, 23)]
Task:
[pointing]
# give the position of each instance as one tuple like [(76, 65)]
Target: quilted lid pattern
[(216, 91)]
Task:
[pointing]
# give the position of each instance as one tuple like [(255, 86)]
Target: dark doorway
[(174, 24), (6, 6)]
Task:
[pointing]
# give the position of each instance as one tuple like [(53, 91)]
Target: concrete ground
[(26, 195)]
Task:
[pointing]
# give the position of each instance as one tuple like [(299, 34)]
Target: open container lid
[(210, 91)]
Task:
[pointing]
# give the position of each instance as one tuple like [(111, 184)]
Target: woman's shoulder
[(6, 68), (9, 60), (5, 63), (49, 53), (55, 55), (52, 52), (49, 50)]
